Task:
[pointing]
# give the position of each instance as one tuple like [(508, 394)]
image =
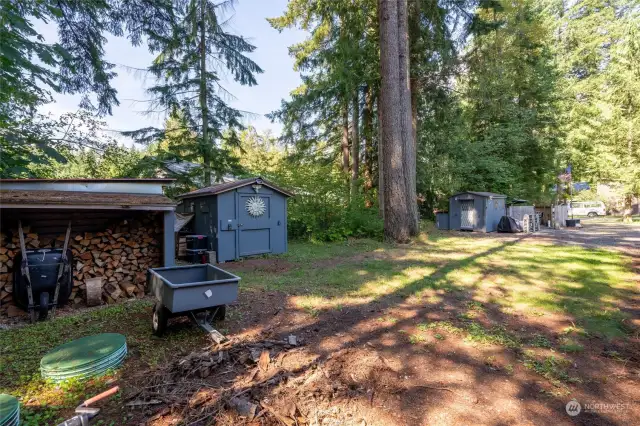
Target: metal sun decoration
[(255, 206)]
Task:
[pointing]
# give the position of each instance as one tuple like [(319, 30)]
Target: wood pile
[(120, 255)]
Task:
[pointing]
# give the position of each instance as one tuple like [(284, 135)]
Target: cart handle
[(98, 397)]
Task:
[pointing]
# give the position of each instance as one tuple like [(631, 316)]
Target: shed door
[(467, 214), (254, 224)]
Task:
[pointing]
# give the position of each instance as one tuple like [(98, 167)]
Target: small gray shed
[(241, 218), (476, 211)]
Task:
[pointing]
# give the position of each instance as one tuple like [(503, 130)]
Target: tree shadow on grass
[(453, 376), (450, 353)]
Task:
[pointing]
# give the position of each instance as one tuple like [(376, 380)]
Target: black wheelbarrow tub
[(43, 269), (193, 287)]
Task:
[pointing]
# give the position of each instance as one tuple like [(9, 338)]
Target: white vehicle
[(587, 208)]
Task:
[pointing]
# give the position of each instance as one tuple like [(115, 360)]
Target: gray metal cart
[(198, 291)]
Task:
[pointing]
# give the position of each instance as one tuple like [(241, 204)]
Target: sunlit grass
[(531, 278)]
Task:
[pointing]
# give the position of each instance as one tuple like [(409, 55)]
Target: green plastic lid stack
[(84, 358), (9, 411)]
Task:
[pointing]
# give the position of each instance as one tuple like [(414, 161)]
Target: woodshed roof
[(16, 198), (155, 180)]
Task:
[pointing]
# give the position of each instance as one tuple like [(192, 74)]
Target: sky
[(248, 20)]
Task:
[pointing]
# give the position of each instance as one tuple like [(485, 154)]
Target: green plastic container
[(9, 410), (84, 358)]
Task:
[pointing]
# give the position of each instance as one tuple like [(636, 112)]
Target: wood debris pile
[(252, 382), (202, 384)]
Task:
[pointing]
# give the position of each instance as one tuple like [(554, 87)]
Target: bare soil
[(355, 367)]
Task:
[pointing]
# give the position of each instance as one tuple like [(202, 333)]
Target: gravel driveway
[(598, 233)]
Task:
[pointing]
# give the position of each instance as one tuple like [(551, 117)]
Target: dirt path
[(402, 361), (361, 366)]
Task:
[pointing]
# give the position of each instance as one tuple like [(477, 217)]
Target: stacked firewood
[(120, 255)]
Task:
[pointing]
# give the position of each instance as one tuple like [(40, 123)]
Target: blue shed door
[(254, 224), (467, 214)]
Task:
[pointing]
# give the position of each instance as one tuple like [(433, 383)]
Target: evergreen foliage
[(33, 70), (191, 52), (504, 95)]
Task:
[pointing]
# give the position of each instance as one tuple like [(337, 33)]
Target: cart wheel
[(220, 312), (160, 319), (44, 306)]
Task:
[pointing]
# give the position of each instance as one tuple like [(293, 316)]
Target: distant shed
[(476, 211), (242, 218)]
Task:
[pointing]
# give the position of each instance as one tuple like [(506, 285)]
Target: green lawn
[(586, 285), (22, 348), (519, 276)]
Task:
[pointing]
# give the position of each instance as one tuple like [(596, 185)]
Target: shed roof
[(481, 194), (17, 198), (229, 186)]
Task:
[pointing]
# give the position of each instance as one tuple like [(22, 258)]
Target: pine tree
[(189, 53), (398, 151), (511, 102), (599, 54), (33, 70)]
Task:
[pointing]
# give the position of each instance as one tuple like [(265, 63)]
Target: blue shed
[(241, 218), (476, 211)]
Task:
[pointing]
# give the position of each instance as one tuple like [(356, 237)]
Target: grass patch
[(570, 346), (540, 341), (586, 284), (417, 338), (468, 276), (447, 326), (21, 350), (388, 319), (552, 368), (497, 335)]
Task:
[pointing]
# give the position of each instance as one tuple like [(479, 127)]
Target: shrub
[(322, 208)]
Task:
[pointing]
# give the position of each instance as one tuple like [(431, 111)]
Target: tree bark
[(628, 208), (628, 199), (414, 48), (406, 116), (206, 153), (355, 145), (397, 213), (345, 137), (367, 134), (379, 136), (380, 164)]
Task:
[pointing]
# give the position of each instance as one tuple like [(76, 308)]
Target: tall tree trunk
[(379, 137), (406, 116), (355, 145), (380, 162), (414, 48), (628, 208), (206, 146), (367, 134), (345, 137), (628, 199), (397, 213)]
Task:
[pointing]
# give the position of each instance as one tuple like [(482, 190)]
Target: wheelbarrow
[(200, 292), (44, 279)]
